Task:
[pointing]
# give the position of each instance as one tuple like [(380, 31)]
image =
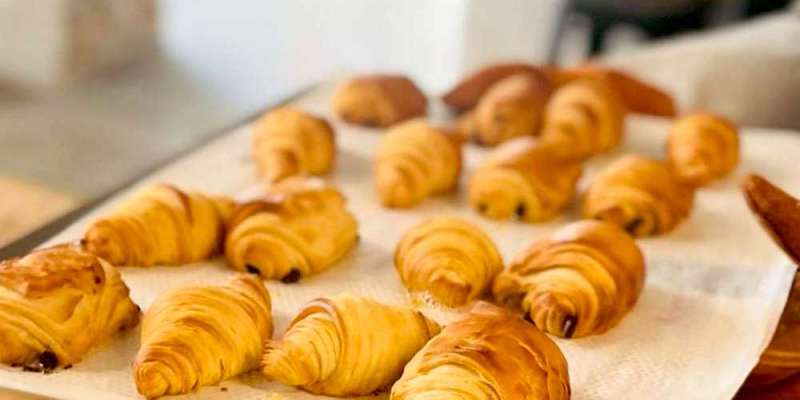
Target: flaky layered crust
[(702, 147)]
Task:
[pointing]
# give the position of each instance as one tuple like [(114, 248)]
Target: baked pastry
[(777, 211), (201, 335), (379, 100), (585, 116), (160, 224), (510, 108), (347, 346), (288, 141), (640, 195), (416, 160), (466, 94), (702, 147), (526, 178), (489, 354), (638, 96), (448, 257), (56, 303), (578, 281), (299, 228)]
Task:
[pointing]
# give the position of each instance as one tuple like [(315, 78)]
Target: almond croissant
[(299, 228), (347, 346), (580, 280), (160, 224), (201, 335), (288, 142), (489, 354), (702, 147), (56, 303), (448, 257)]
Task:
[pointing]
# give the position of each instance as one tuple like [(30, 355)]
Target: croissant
[(201, 335), (526, 178), (416, 160), (702, 147), (288, 142), (379, 100), (467, 93), (580, 280), (347, 346), (56, 303), (448, 257), (489, 354), (300, 228), (585, 116), (160, 225), (510, 108), (777, 211), (640, 195)]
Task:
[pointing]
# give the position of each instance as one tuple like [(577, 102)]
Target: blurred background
[(94, 93)]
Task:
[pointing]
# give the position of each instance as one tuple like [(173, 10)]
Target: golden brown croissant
[(160, 225), (201, 335), (490, 354), (580, 280), (524, 177), (300, 228), (56, 303), (702, 147), (379, 100), (347, 346), (448, 257), (467, 93), (640, 195), (777, 211), (510, 108), (288, 142), (414, 161), (585, 116)]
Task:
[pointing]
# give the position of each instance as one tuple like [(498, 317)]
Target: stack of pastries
[(579, 280)]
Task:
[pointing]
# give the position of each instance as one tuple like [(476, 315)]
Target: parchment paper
[(715, 286)]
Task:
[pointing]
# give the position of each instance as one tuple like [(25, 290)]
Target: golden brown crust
[(640, 195), (56, 303), (585, 116), (581, 280), (702, 147), (201, 335), (777, 211), (160, 224), (288, 142), (379, 100), (301, 227), (524, 177), (347, 346), (490, 354), (448, 257), (416, 160), (467, 93)]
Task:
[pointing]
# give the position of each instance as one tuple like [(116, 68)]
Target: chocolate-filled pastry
[(640, 195), (526, 178), (347, 346), (489, 354), (702, 147), (160, 224), (301, 227), (578, 281), (56, 304), (416, 160), (200, 335), (777, 211), (448, 257), (288, 142), (467, 93), (638, 96), (510, 108), (585, 116), (379, 100)]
